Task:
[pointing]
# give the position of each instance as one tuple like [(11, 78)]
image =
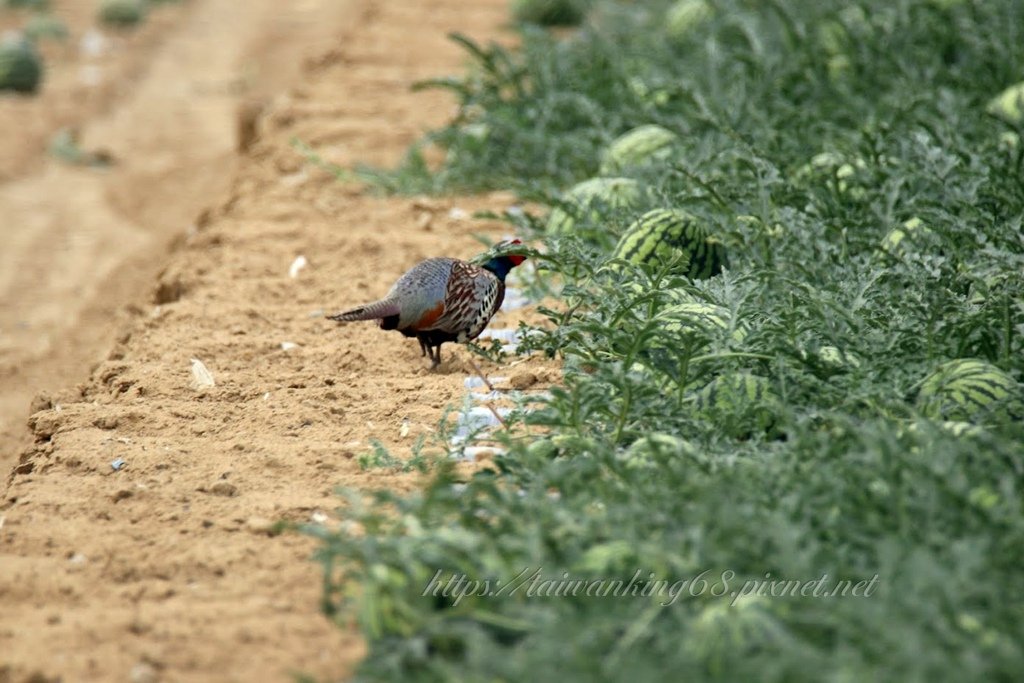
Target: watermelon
[(832, 37), (899, 241), (739, 623), (21, 69), (991, 287), (123, 13), (646, 451), (969, 390), (836, 37), (835, 169), (586, 198), (542, 448), (42, 26), (694, 318), (1009, 141), (686, 328), (832, 358), (550, 12), (739, 404), (1008, 105), (648, 93), (673, 294), (659, 235), (38, 5), (959, 429), (835, 357), (686, 15), (638, 147)]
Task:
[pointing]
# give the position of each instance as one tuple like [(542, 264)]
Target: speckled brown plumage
[(440, 300)]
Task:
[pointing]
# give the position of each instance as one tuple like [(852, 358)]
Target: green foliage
[(122, 13), (805, 411), (21, 68)]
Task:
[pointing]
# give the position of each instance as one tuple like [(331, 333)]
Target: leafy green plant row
[(837, 393)]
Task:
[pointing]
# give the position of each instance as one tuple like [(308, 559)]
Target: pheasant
[(441, 300)]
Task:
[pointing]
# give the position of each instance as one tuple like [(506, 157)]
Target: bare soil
[(164, 566)]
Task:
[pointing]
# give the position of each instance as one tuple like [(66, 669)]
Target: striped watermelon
[(836, 38), (837, 358), (21, 69), (687, 328), (968, 390), (586, 198), (831, 359), (1009, 104), (721, 628), (833, 168), (45, 27), (959, 429), (661, 234), (550, 12), (37, 5), (122, 13), (699, 318), (686, 15), (738, 405), (991, 287), (648, 450), (638, 147), (672, 295), (910, 236)]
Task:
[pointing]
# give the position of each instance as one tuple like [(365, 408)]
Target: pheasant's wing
[(472, 297), (421, 293)]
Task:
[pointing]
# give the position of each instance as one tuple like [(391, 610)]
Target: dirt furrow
[(82, 243)]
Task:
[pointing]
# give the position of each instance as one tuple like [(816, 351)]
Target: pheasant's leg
[(423, 347), (435, 357)]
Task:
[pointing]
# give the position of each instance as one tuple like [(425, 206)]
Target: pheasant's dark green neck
[(499, 265)]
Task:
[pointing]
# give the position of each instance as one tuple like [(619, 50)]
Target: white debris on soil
[(202, 378), (509, 338), (476, 421), (484, 396), (477, 382), (93, 43), (298, 264)]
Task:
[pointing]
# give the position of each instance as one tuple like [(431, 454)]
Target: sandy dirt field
[(111, 281)]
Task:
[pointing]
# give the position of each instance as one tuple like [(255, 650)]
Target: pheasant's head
[(505, 260)]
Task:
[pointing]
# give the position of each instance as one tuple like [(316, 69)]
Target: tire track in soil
[(165, 568)]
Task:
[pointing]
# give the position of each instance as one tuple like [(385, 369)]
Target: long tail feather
[(375, 311)]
